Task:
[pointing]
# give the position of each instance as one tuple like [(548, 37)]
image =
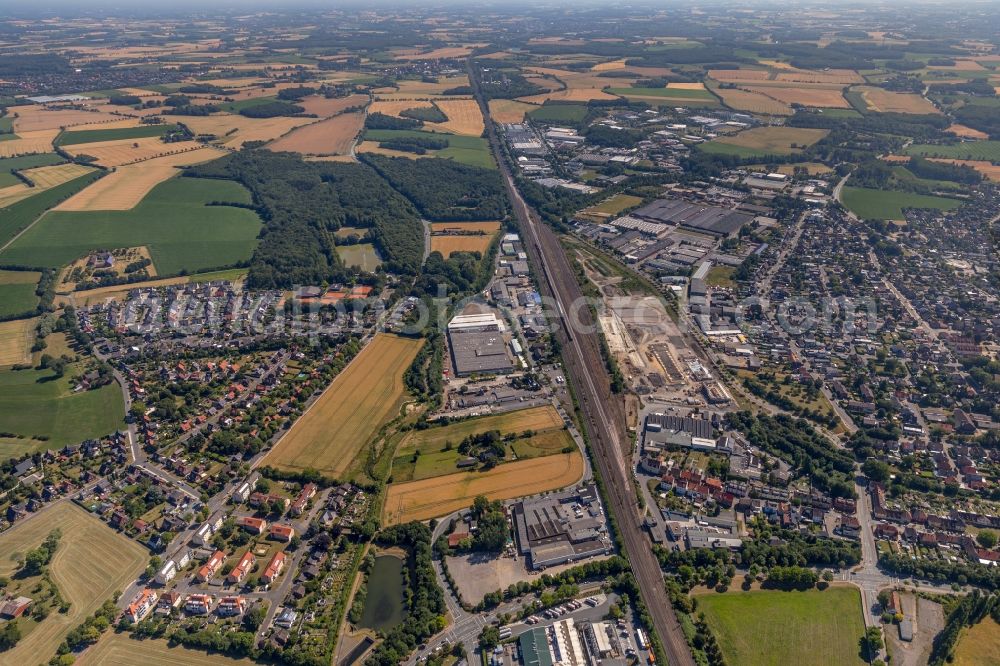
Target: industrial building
[(697, 217), (563, 527), (477, 345)]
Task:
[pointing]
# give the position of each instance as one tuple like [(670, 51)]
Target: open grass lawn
[(559, 113), (774, 628), (35, 403), (887, 205), (24, 162), (71, 138), (17, 292), (979, 645), (471, 150), (674, 93), (173, 221), (91, 563), (16, 217), (761, 141), (969, 150), (363, 254), (720, 276), (340, 424)]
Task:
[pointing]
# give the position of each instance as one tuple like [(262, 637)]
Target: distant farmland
[(761, 141), (362, 398), (889, 205)]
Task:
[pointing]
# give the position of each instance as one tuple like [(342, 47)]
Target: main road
[(602, 411)]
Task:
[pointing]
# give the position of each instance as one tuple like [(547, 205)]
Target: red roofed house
[(274, 568), (231, 606), (144, 602), (198, 604), (281, 532), (207, 570), (253, 525), (242, 568)]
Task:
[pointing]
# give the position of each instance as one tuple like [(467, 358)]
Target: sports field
[(887, 205), (91, 563), (439, 496), (765, 141), (116, 649), (361, 399), (16, 338), (35, 402), (771, 628), (17, 292), (363, 255), (979, 645), (173, 221)]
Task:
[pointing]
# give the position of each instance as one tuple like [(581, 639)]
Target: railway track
[(603, 412)]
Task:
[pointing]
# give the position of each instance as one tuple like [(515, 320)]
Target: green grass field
[(17, 292), (673, 93), (181, 232), (559, 113), (772, 628), (18, 216), (979, 645), (889, 205), (236, 107), (472, 150), (24, 162), (112, 134), (970, 150), (34, 403), (363, 254)]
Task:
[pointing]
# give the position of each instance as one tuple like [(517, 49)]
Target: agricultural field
[(449, 244), (116, 649), (579, 86), (610, 207), (765, 141), (91, 563), (509, 110), (471, 150), (979, 645), (127, 186), (340, 424), (17, 292), (464, 117), (671, 92), (396, 107), (988, 169), (75, 137), (26, 162), (28, 143), (885, 101), (969, 150), (44, 178), (120, 152), (559, 113), (326, 107), (334, 136), (363, 255), (233, 130), (763, 628), (18, 216), (744, 100), (439, 496), (16, 338), (889, 205), (36, 118), (170, 221), (488, 228), (802, 94), (36, 403)]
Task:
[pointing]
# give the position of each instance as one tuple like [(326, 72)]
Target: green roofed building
[(535, 648)]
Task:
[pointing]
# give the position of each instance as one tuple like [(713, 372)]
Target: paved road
[(601, 410)]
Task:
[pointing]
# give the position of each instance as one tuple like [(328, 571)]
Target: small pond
[(384, 604)]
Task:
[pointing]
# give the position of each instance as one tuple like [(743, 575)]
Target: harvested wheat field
[(35, 118), (509, 110), (745, 100), (739, 75), (798, 94), (374, 148), (120, 649), (44, 178), (16, 338), (424, 89), (333, 136), (234, 130), (966, 132), (362, 398), (988, 169), (448, 245), (569, 95), (91, 563), (466, 227), (885, 101), (439, 496), (111, 124), (836, 76), (125, 187), (608, 66), (29, 143), (580, 86), (396, 107), (120, 152), (463, 117), (436, 54), (324, 108)]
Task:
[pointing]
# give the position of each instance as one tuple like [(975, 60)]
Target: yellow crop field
[(580, 86), (745, 100), (120, 152), (464, 116), (800, 94), (439, 496), (36, 117), (966, 132), (775, 140), (324, 108), (361, 399), (373, 147), (116, 649), (979, 645), (885, 101), (91, 563), (397, 106), (444, 52), (423, 89), (988, 169), (125, 187), (333, 136), (44, 178), (16, 338), (448, 245), (739, 75), (516, 422), (474, 227), (509, 110), (234, 130), (29, 143), (608, 66)]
